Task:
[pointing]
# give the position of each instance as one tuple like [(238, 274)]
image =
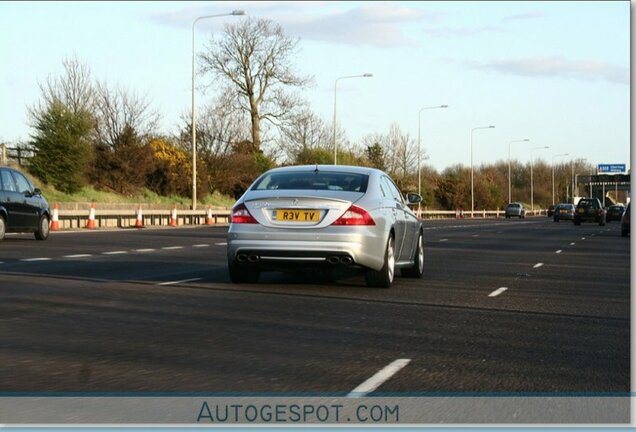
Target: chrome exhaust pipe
[(253, 258), (333, 259), (241, 257), (346, 260)]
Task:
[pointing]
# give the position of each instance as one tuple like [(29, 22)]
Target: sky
[(556, 73)]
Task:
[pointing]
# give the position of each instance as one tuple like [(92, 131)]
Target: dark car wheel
[(556, 219), (576, 222), (418, 265), (624, 232), (243, 274), (384, 277), (3, 227), (42, 232)]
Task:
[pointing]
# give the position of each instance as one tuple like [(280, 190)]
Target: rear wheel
[(384, 277), (576, 222), (243, 274), (556, 219), (3, 227), (418, 263), (42, 232)]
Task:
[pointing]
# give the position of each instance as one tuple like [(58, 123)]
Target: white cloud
[(445, 32), (376, 24), (557, 67)]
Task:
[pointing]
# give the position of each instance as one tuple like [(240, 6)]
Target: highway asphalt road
[(153, 310)]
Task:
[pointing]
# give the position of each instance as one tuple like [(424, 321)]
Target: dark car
[(625, 222), (515, 209), (563, 211), (551, 210), (615, 212), (589, 210), (22, 206)]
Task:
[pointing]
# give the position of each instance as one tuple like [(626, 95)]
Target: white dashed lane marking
[(77, 256), (498, 291), (537, 265), (145, 250), (443, 240), (201, 245), (221, 244), (35, 259), (178, 282), (379, 378), (114, 253), (572, 244), (559, 251), (172, 247)]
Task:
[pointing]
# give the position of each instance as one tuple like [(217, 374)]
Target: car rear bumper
[(253, 244)]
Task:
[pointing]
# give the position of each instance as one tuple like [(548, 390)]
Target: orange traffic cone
[(55, 220), (173, 216), (90, 224), (208, 217), (140, 218)]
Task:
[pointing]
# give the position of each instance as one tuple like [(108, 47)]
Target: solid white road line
[(498, 291), (201, 245), (114, 253), (537, 265), (172, 247), (376, 380), (145, 250), (559, 251), (77, 256), (35, 259), (178, 282)]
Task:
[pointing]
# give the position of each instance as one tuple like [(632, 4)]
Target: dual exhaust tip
[(242, 258)]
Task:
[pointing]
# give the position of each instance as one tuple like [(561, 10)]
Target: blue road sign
[(611, 168)]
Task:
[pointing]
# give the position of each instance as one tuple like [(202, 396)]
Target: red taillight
[(240, 215), (355, 216)]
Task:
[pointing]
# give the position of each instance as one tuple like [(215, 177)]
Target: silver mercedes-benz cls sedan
[(330, 215)]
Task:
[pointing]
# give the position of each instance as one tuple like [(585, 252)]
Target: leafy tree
[(172, 169), (375, 156), (62, 147)]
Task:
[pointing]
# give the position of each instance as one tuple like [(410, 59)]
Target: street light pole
[(531, 178), (193, 125), (419, 145), (562, 154), (472, 183), (335, 87), (509, 175)]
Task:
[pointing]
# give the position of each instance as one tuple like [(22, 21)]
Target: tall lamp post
[(555, 156), (472, 182), (194, 129), (419, 145), (531, 178), (509, 176), (335, 87)]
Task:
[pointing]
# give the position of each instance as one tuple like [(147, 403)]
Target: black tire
[(556, 220), (384, 277), (417, 270), (624, 233), (243, 274), (576, 222), (43, 230), (3, 228)]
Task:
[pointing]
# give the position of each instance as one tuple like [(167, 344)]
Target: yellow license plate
[(581, 210), (563, 211), (295, 215)]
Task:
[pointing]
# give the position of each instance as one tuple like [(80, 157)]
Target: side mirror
[(37, 191), (413, 198)]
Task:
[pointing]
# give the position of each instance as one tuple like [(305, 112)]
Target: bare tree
[(120, 111), (253, 59), (305, 131), (74, 89)]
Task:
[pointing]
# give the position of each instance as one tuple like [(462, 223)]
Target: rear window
[(310, 180), (588, 203), (513, 205)]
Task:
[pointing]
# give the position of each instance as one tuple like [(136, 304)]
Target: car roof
[(328, 168)]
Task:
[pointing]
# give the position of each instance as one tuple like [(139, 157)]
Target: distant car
[(625, 222), (325, 215), (551, 210), (22, 206), (563, 211), (515, 209), (615, 212), (589, 210)]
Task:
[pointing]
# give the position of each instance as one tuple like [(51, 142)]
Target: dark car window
[(310, 180), (22, 183), (8, 184), (589, 203), (393, 190), (514, 206)]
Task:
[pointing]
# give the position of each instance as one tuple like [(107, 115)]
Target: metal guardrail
[(73, 219)]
